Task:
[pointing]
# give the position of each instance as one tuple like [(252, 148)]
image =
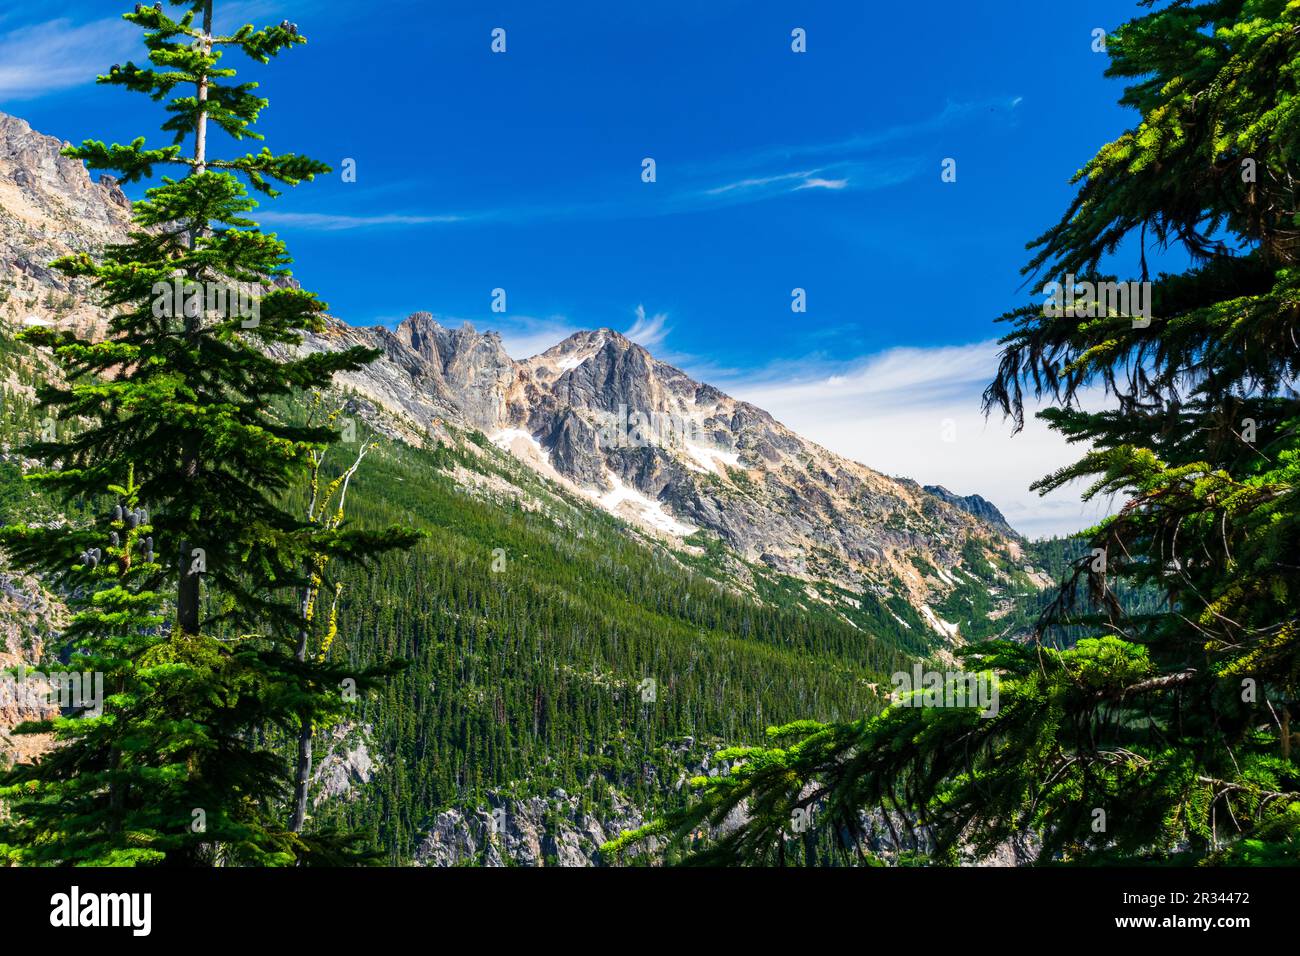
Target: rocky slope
[(976, 505), (678, 457), (28, 613), (49, 207)]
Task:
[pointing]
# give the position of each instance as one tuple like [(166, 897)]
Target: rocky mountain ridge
[(677, 457), (976, 505), (597, 413)]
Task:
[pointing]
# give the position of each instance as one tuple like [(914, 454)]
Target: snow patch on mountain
[(624, 500), (946, 628)]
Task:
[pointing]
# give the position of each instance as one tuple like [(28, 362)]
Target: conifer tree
[(179, 400), (1167, 734)]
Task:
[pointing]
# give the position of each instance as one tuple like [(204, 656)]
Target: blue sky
[(775, 170)]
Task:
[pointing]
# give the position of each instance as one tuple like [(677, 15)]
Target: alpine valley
[(625, 570)]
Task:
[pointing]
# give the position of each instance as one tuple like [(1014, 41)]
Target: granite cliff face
[(28, 614), (49, 207), (550, 830), (975, 505)]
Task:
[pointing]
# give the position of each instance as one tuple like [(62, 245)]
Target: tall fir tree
[(1167, 734), (199, 641)]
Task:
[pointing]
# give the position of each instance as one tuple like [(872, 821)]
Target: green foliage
[(129, 770), (526, 679), (1061, 618), (178, 399), (1170, 716)]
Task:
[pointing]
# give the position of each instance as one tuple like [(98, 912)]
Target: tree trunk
[(201, 126), (188, 591), (302, 771), (301, 776)]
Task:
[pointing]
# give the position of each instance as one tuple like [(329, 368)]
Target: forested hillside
[(531, 619), (527, 677)]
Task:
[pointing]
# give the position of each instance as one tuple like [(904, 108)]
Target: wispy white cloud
[(871, 161), (330, 222), (756, 187), (915, 412), (648, 331), (816, 182), (54, 55), (758, 182)]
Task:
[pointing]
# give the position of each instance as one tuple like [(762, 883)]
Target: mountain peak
[(593, 337), (976, 505)]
